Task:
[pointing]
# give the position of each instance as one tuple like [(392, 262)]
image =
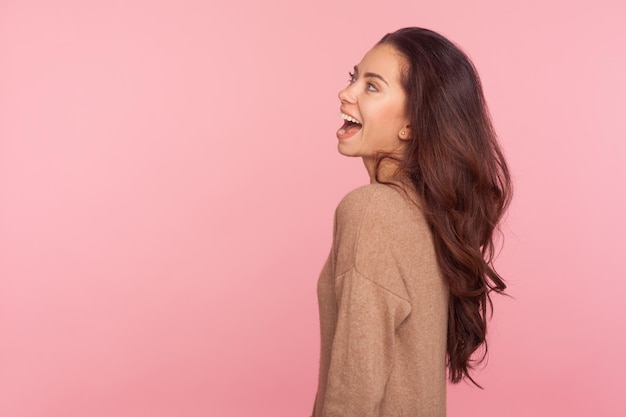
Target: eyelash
[(370, 86)]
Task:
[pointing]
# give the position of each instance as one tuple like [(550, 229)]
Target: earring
[(402, 133)]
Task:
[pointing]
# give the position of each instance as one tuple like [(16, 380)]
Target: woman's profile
[(405, 292)]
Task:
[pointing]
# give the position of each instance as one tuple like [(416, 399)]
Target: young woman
[(404, 294)]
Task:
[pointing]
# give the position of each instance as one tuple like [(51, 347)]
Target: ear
[(405, 133)]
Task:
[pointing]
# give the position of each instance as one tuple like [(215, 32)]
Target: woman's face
[(374, 106)]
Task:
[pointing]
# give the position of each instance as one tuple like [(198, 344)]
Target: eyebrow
[(371, 74)]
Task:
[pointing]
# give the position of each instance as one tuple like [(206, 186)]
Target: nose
[(347, 95)]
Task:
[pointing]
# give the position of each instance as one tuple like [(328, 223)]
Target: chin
[(345, 151)]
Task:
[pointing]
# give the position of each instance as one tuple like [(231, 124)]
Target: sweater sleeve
[(363, 346)]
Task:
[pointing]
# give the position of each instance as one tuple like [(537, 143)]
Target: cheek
[(393, 111)]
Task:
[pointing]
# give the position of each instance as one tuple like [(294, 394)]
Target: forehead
[(384, 60)]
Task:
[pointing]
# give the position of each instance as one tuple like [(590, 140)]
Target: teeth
[(349, 118)]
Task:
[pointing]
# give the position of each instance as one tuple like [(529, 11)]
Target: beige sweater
[(383, 312)]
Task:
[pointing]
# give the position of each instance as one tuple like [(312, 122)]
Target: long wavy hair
[(457, 168)]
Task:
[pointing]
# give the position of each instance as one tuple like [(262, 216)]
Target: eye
[(371, 87), (351, 77)]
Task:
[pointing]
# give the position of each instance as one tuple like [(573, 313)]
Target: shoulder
[(370, 198), (381, 202), (366, 192), (375, 216), (355, 215), (381, 231)]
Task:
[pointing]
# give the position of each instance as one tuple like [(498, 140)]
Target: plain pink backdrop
[(168, 177)]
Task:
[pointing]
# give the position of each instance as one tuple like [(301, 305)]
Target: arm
[(363, 348)]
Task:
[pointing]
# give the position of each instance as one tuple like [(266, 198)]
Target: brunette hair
[(461, 178)]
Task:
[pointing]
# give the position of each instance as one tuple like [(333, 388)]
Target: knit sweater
[(383, 311)]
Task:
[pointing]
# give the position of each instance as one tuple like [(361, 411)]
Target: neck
[(387, 170)]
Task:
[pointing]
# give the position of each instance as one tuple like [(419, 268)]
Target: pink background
[(168, 176)]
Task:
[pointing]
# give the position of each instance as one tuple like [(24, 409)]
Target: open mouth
[(350, 126)]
